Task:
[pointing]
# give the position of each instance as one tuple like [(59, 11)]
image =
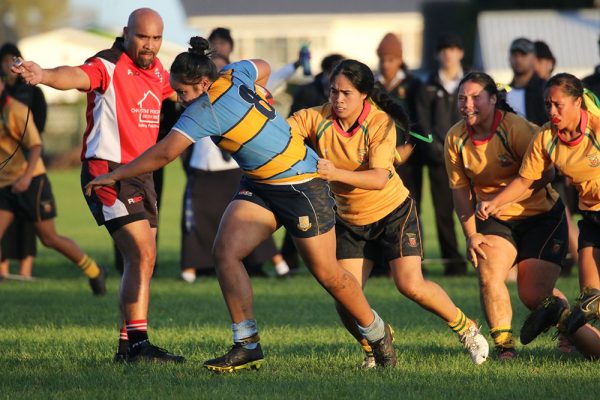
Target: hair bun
[(199, 45)]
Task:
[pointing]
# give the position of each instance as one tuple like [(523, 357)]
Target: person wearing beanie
[(394, 78)]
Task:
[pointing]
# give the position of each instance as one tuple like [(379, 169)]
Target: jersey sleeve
[(535, 160), (97, 73), (195, 121), (244, 70), (455, 168), (302, 125), (521, 136), (382, 144)]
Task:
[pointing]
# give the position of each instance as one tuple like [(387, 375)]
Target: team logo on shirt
[(412, 239), (402, 92), (135, 199), (246, 193), (304, 223), (594, 161), (158, 74), (362, 157)]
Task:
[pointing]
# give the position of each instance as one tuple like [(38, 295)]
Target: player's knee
[(411, 290)]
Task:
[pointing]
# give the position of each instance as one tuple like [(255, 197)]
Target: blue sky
[(112, 14)]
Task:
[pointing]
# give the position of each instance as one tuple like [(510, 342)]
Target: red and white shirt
[(123, 105)]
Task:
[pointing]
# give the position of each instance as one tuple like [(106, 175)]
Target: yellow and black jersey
[(578, 160), (370, 144), (490, 164), (12, 130)]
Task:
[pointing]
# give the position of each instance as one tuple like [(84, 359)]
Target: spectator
[(592, 82), (526, 96), (437, 112), (19, 242), (544, 60)]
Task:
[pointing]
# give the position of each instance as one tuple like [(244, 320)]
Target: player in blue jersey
[(280, 187)]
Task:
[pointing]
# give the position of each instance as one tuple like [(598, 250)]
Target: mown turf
[(57, 341)]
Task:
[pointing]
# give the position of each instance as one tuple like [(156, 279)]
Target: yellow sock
[(461, 323), (89, 267), (503, 337), (366, 348)]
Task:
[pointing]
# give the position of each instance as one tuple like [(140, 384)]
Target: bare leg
[(408, 276), (495, 299), (46, 231), (360, 269), (26, 266), (536, 281), (589, 265), (137, 243), (6, 219), (243, 227), (318, 253)]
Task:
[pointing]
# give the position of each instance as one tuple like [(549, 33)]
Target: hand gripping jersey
[(370, 144), (578, 160), (490, 164), (241, 121), (123, 105)]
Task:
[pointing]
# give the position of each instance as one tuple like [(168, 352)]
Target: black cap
[(448, 40), (542, 50), (9, 49), (523, 45)]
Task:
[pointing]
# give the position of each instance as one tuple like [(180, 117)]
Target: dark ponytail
[(191, 66), (489, 86), (361, 77), (572, 86)]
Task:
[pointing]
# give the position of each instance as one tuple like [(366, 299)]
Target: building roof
[(273, 7), (571, 35)]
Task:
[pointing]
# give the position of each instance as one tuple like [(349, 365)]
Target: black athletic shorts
[(543, 236), (396, 235), (305, 209), (589, 229), (130, 200), (35, 204)]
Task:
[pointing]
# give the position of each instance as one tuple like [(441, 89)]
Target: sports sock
[(244, 330), (373, 332), (281, 268), (137, 332), (123, 339), (89, 267), (461, 323), (503, 337)]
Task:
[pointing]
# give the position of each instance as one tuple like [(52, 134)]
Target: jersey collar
[(356, 126), (582, 125), (495, 124)]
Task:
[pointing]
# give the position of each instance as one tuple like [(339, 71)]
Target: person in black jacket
[(592, 82), (437, 112), (527, 94), (19, 241)]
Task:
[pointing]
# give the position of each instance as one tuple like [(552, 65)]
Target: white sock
[(282, 268)]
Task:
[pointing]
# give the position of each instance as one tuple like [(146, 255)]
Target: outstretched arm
[(152, 159), (62, 78)]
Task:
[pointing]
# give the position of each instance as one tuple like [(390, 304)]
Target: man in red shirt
[(125, 86)]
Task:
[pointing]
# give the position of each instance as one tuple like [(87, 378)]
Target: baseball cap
[(523, 45)]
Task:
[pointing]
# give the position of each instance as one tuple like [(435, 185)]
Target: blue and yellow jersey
[(241, 121)]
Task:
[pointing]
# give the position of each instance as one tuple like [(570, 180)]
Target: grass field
[(57, 341)]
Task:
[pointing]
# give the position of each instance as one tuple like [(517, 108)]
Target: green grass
[(57, 341)]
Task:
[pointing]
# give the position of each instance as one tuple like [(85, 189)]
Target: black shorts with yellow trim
[(304, 209), (130, 200), (543, 236), (589, 229), (35, 204), (396, 235)]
